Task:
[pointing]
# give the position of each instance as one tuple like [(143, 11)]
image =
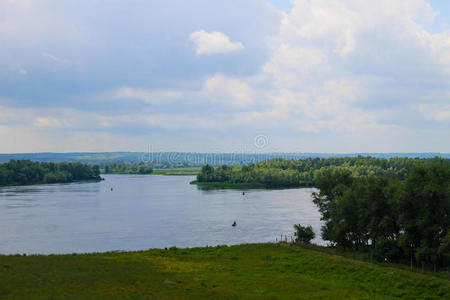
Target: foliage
[(126, 168), (177, 171), (23, 172), (303, 234), (252, 271), (397, 219), (280, 173)]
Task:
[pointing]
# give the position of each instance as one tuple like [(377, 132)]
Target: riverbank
[(244, 186), (27, 172), (177, 171), (47, 183), (252, 271), (192, 171), (228, 185)]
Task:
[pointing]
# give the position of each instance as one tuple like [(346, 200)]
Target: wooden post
[(412, 257), (411, 264)]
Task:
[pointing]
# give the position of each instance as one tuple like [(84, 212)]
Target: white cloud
[(434, 112), (57, 59), (353, 75), (59, 118), (22, 70), (213, 43), (150, 96), (336, 67), (332, 59), (183, 122), (47, 122), (223, 89), (218, 89)]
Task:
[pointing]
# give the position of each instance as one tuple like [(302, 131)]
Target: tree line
[(125, 168), (24, 172), (398, 220), (303, 172)]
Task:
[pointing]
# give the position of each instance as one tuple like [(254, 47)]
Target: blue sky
[(211, 76)]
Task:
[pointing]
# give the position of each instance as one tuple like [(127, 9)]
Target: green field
[(177, 171), (253, 271)]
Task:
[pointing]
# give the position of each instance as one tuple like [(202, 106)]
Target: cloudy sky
[(211, 75)]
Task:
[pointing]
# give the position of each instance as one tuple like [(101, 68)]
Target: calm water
[(145, 212)]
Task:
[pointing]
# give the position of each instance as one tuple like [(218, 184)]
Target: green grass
[(253, 271), (177, 171)]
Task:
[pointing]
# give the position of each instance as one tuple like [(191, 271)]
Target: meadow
[(249, 271)]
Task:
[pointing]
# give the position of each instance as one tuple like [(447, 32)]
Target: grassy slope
[(256, 271)]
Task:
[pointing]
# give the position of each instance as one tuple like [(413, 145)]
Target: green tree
[(425, 210), (303, 234)]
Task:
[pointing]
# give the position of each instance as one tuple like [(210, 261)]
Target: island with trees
[(26, 172), (280, 173), (125, 167), (145, 168)]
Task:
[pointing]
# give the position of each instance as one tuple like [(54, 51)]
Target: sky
[(340, 76)]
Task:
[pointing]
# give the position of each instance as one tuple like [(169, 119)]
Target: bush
[(303, 234)]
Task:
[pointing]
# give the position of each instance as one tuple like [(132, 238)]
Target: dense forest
[(398, 220), (23, 172), (125, 168), (303, 172)]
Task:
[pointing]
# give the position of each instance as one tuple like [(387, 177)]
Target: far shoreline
[(233, 185)]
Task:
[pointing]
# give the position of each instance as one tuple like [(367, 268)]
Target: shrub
[(303, 234)]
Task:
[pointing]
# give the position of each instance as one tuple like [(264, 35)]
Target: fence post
[(412, 252), (411, 264)]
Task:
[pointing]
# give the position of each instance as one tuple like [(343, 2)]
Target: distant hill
[(184, 159)]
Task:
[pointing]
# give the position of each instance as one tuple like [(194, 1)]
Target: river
[(138, 212)]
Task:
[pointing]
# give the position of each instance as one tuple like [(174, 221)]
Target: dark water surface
[(143, 212)]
